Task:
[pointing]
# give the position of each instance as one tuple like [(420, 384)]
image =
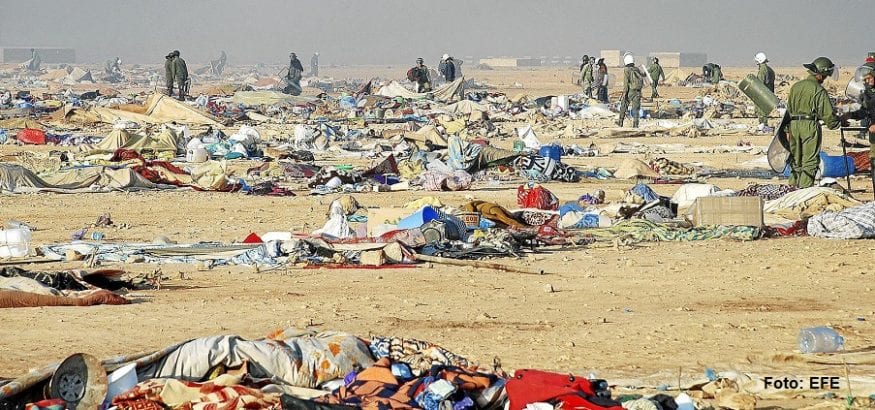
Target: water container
[(120, 381), (14, 242), (831, 166), (834, 166), (820, 340), (551, 151)]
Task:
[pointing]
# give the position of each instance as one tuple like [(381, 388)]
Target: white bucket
[(14, 243), (197, 155), (121, 380)]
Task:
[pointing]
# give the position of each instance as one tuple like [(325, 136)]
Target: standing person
[(716, 74), (656, 75), (447, 68), (168, 72), (180, 74), (807, 104), (633, 82), (767, 76), (35, 61), (867, 112), (314, 65), (218, 66), (601, 79), (419, 75), (293, 76), (586, 76)]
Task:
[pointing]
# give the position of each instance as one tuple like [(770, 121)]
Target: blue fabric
[(568, 207), (645, 192)]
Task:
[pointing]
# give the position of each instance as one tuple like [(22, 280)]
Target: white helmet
[(446, 56), (628, 59), (760, 58)]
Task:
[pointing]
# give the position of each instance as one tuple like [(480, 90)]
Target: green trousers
[(653, 93), (805, 139), (633, 102)]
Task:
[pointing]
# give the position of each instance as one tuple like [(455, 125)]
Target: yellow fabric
[(421, 202)]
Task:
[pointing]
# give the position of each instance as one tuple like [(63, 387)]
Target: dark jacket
[(295, 63), (180, 70), (447, 68)]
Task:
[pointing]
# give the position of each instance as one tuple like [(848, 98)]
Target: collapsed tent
[(442, 93), (17, 179), (158, 109), (250, 98)]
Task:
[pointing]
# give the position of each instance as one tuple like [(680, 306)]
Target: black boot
[(872, 174)]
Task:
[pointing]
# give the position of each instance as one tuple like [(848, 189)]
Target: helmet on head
[(821, 65), (175, 53), (445, 56), (585, 57), (628, 59), (419, 60), (760, 58), (656, 60)]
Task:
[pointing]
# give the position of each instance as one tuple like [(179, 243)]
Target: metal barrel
[(754, 89)]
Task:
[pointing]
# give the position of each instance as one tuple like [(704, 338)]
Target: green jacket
[(168, 70), (656, 73), (716, 75), (180, 70), (632, 81), (808, 97), (586, 73), (766, 75)]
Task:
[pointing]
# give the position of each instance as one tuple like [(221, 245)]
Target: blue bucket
[(553, 152)]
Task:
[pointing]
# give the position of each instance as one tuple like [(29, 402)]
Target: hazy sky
[(398, 31)]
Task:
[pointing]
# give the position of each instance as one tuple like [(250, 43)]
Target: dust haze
[(382, 32)]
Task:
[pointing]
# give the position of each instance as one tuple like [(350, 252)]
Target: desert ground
[(641, 312)]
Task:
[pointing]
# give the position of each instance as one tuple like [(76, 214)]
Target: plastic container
[(831, 166), (820, 340), (419, 218), (552, 151), (761, 96), (14, 243), (120, 381)]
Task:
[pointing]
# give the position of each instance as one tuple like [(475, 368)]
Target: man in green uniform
[(807, 104), (716, 74), (866, 113), (168, 72), (656, 75), (180, 74), (586, 76), (419, 75), (633, 82), (767, 76)]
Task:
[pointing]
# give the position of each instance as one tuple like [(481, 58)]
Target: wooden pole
[(477, 264)]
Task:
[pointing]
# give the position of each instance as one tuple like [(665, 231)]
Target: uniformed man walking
[(633, 82), (656, 75), (867, 112), (767, 76), (180, 75), (586, 77), (807, 104)]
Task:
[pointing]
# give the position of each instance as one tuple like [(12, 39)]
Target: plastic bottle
[(820, 340)]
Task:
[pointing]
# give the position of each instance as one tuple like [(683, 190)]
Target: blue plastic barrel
[(832, 166), (551, 151)]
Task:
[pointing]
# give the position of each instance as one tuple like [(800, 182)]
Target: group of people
[(449, 69), (594, 77), (176, 73)]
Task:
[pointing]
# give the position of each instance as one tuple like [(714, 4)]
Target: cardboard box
[(732, 210), (385, 216)]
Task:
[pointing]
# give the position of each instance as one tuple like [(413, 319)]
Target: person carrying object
[(767, 76)]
